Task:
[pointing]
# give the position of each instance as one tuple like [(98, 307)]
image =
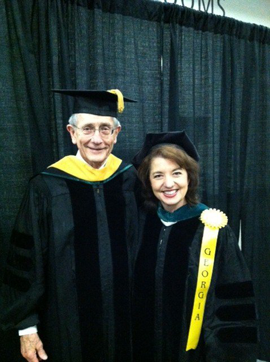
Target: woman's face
[(169, 183)]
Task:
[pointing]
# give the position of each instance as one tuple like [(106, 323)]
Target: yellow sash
[(213, 220), (77, 168)]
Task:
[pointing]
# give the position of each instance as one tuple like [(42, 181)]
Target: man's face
[(94, 149)]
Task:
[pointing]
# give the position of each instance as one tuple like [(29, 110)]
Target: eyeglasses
[(104, 130)]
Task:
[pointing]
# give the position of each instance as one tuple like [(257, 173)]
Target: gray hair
[(73, 120)]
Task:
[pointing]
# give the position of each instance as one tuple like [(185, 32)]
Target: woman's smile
[(169, 183)]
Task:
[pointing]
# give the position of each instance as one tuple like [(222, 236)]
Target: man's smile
[(96, 149)]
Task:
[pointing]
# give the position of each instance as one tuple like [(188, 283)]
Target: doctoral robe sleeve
[(230, 328), (23, 283)]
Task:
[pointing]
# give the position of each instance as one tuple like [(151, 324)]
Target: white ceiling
[(249, 11)]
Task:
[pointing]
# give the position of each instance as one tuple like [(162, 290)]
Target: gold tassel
[(120, 99)]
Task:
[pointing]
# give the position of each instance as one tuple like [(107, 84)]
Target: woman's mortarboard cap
[(102, 103), (179, 138)]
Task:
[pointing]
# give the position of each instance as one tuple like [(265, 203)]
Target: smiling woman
[(188, 267), (169, 183), (166, 168)]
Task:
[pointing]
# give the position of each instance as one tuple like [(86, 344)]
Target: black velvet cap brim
[(101, 103), (179, 138)]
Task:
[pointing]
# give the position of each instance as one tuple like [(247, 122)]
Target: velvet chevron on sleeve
[(232, 331), (23, 282)]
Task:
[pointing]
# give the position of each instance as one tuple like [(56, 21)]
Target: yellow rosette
[(213, 220)]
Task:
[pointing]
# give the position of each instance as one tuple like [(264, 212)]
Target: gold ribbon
[(213, 220), (120, 99)]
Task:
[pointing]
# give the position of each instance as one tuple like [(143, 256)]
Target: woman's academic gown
[(165, 277)]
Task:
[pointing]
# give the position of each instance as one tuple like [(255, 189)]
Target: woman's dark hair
[(183, 160)]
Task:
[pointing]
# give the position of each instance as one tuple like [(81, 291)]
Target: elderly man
[(67, 280)]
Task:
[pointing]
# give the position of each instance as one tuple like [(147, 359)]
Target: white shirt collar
[(79, 156), (168, 223)]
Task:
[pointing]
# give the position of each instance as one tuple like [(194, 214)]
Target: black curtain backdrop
[(188, 70)]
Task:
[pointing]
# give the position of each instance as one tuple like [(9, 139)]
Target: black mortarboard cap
[(179, 138), (101, 103)]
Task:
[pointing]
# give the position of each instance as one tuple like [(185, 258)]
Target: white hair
[(73, 120)]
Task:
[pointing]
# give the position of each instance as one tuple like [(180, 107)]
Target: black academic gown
[(165, 277), (69, 266)]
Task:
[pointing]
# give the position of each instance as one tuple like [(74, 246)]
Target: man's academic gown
[(166, 271), (69, 265)]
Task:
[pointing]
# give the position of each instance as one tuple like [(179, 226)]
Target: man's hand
[(32, 348)]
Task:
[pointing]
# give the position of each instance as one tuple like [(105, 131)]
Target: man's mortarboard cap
[(179, 138), (102, 103)]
